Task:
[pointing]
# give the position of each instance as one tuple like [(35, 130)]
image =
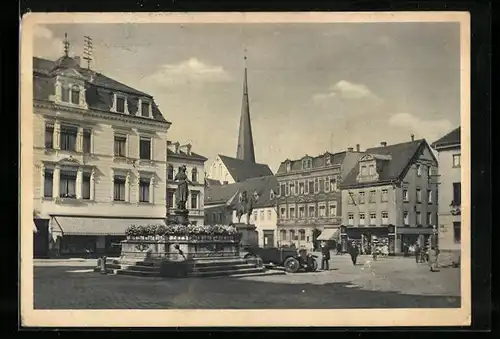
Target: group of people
[(352, 249)]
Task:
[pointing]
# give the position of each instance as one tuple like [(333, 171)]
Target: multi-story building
[(391, 194), (221, 201), (309, 200), (179, 155), (99, 149), (450, 196)]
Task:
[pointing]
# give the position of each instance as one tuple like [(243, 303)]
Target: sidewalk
[(65, 262)]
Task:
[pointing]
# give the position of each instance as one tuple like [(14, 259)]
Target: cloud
[(45, 44), (348, 91), (191, 71), (431, 130)]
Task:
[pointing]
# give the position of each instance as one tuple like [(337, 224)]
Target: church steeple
[(245, 150)]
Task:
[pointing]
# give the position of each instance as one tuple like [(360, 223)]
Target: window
[(361, 218), (333, 184), (170, 198), (67, 184), (302, 212), (327, 184), (322, 211), (282, 189), (68, 138), (120, 104), (120, 146), (261, 215), (75, 95), (302, 234), (194, 200), (429, 196), (119, 188), (316, 185), (145, 109), (406, 197), (301, 187), (406, 218), (363, 170), (268, 215), (145, 148), (371, 170), (419, 195), (65, 94), (221, 217), (429, 218), (456, 160), (321, 184), (87, 137), (292, 187), (350, 218), (288, 166), (49, 136), (419, 218), (429, 172), (311, 186), (456, 232), (283, 212), (144, 190), (373, 218), (306, 163), (328, 160), (385, 195), (419, 170), (194, 175), (361, 197), (457, 193), (48, 183), (292, 212), (86, 186), (296, 188), (371, 196), (333, 209), (385, 218), (312, 211), (350, 198), (283, 235), (287, 189)]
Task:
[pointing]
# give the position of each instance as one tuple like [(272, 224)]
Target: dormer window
[(306, 164), (75, 95), (328, 160), (288, 166), (363, 170), (120, 104), (145, 109), (65, 93)]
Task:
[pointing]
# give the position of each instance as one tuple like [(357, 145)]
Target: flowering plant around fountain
[(179, 230)]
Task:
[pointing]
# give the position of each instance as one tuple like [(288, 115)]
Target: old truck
[(291, 259)]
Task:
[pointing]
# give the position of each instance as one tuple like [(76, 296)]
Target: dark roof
[(452, 138), (401, 156), (262, 186), (212, 182), (184, 155), (242, 170), (99, 87), (317, 161)]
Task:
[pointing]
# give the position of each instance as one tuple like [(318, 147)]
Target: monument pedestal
[(249, 237), (180, 217)]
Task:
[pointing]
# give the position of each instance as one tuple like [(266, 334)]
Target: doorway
[(268, 238)]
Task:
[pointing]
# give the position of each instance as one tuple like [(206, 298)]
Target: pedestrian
[(325, 256), (417, 252), (339, 248), (433, 253), (354, 252)]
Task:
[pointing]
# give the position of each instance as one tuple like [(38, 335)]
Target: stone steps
[(226, 272), (213, 268)]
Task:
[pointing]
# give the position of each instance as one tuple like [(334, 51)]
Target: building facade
[(391, 195), (450, 196), (100, 155), (179, 155), (309, 199)]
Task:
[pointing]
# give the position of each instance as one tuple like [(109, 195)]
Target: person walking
[(354, 252), (417, 252), (325, 256), (433, 253)]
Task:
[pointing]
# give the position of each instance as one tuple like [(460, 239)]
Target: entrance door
[(268, 240), (41, 239)]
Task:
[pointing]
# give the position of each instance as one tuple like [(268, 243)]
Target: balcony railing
[(309, 220), (455, 208)]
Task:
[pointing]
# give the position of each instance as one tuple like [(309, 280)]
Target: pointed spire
[(245, 150), (66, 44)]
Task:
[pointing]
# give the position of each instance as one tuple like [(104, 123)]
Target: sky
[(313, 87)]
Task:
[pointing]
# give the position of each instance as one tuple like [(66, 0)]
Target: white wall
[(264, 219), (218, 171)]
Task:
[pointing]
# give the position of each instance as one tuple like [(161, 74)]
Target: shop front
[(331, 236), (408, 237), (366, 237), (90, 237)]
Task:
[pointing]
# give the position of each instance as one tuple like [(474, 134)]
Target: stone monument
[(247, 231)]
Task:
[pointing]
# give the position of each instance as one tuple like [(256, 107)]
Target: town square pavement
[(385, 283)]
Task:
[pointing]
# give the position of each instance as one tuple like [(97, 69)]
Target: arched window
[(170, 173), (283, 234), (194, 175), (302, 234)]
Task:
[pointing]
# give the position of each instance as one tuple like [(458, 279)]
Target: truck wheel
[(291, 265), (313, 267), (249, 255)]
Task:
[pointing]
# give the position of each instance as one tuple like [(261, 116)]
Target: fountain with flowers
[(180, 248)]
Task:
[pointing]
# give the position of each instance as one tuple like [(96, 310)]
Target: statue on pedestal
[(182, 195), (245, 206)]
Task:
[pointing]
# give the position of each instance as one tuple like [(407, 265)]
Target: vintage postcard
[(245, 169)]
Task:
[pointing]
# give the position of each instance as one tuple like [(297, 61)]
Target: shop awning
[(99, 226), (329, 234)]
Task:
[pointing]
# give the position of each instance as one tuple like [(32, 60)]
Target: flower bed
[(154, 231)]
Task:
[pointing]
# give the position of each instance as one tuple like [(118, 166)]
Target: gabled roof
[(262, 186), (98, 86), (317, 161), (391, 170), (242, 170), (184, 155), (450, 139), (212, 182)]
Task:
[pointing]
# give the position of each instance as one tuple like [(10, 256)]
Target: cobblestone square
[(386, 283)]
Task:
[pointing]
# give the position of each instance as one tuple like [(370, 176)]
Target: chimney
[(413, 137), (383, 143), (350, 149), (357, 147)]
